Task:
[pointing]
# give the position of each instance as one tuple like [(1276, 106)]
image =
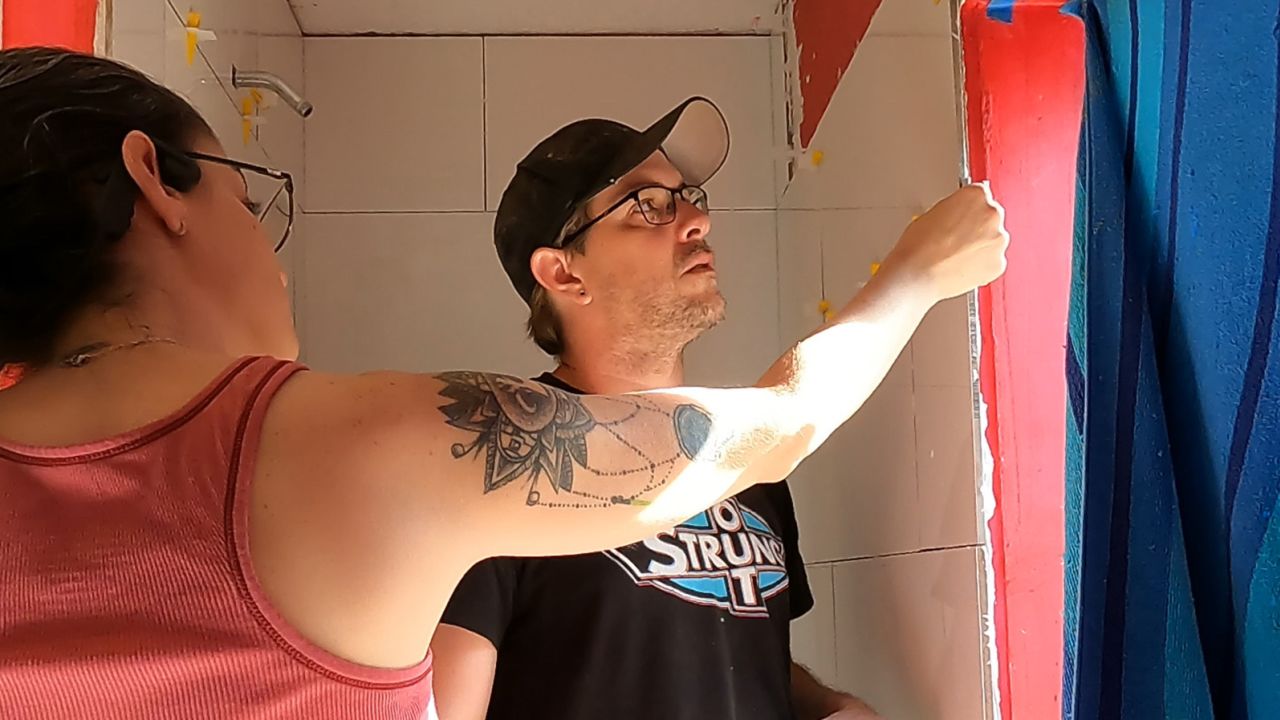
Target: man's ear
[(553, 271)]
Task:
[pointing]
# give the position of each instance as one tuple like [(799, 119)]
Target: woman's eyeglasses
[(270, 196)]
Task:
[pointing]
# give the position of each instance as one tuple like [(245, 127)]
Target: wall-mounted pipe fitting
[(269, 81)]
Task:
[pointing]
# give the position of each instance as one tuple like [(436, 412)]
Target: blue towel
[(1173, 366)]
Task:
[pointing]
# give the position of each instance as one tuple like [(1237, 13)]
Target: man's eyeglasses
[(656, 203), (270, 196)]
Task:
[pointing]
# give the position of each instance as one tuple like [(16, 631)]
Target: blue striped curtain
[(1173, 452)]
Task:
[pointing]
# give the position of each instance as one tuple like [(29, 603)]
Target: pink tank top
[(126, 589)]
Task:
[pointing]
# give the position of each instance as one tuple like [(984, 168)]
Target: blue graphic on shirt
[(702, 521), (754, 522), (727, 557)]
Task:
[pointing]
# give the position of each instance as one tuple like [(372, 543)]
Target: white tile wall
[(199, 85), (857, 495), (138, 34), (235, 22), (138, 29), (739, 350), (898, 479), (367, 275), (903, 467), (413, 292), (813, 637), (282, 136), (907, 637), (448, 17), (536, 85), (151, 35), (831, 251), (912, 17), (399, 124), (889, 137), (799, 273), (949, 503), (282, 131), (275, 18), (855, 239), (942, 345)]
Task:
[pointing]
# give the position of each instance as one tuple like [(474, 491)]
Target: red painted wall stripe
[(1025, 82), (64, 23), (828, 33)]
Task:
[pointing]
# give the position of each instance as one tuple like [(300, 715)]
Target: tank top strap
[(270, 378)]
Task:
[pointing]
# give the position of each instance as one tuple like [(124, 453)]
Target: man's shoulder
[(769, 496)]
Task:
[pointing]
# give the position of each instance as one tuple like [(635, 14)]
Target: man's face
[(654, 281)]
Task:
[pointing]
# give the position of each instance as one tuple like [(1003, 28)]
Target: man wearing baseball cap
[(603, 232)]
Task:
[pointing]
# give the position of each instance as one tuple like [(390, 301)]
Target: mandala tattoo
[(536, 435)]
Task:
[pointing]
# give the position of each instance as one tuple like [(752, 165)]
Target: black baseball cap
[(583, 158)]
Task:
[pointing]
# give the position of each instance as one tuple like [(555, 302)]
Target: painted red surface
[(828, 33), (65, 23), (1025, 82)]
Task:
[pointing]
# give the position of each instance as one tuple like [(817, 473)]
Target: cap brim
[(695, 139), (694, 136)]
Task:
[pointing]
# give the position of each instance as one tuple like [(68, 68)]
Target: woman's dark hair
[(65, 198)]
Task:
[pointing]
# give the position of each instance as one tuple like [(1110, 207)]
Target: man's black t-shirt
[(692, 623)]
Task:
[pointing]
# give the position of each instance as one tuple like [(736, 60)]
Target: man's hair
[(544, 324)]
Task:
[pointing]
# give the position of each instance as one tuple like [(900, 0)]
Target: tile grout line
[(915, 428), (835, 630), (484, 121), (904, 553), (777, 280)]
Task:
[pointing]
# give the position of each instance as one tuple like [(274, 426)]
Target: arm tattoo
[(535, 436), (693, 429)]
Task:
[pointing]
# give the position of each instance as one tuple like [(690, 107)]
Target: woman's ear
[(142, 162)]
